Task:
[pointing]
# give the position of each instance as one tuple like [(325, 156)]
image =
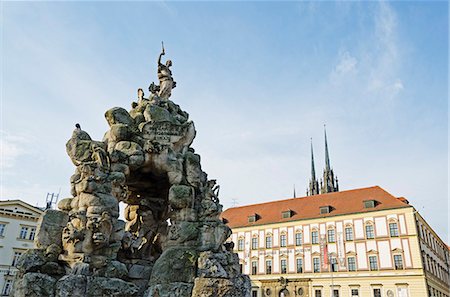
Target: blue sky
[(259, 79)]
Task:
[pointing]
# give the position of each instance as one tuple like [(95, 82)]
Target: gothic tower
[(313, 183), (329, 183)]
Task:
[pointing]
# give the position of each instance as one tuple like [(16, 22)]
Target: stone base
[(222, 287), (170, 290), (41, 285)]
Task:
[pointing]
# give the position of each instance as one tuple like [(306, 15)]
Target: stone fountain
[(172, 242)]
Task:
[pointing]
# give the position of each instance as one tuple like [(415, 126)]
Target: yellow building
[(362, 242), (18, 222)]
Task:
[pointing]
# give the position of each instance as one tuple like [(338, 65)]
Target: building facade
[(18, 222), (362, 242)]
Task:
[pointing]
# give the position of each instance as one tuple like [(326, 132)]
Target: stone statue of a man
[(166, 83)]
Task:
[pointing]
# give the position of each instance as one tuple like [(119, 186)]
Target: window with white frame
[(354, 292), (283, 265), (240, 244), (254, 243), (283, 240), (16, 257), (298, 238), (2, 229), (32, 233), (23, 232), (269, 241), (351, 264), (333, 264), (398, 262), (268, 266), (373, 263), (317, 293), (393, 229), (369, 231), (348, 233), (331, 235), (299, 265), (315, 237), (7, 287), (254, 267), (316, 264), (335, 292)]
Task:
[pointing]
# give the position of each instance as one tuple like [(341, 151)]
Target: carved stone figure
[(166, 82), (172, 213)]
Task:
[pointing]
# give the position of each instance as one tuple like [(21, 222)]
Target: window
[(254, 267), (299, 265), (269, 242), (23, 233), (2, 229), (240, 268), (253, 218), (240, 244), (398, 262), (369, 231), (351, 264), (315, 237), (283, 240), (32, 233), (393, 229), (376, 292), (335, 293), (318, 293), (254, 293), (298, 238), (325, 209), (331, 235), (370, 203), (268, 266), (348, 233), (16, 258), (7, 287), (355, 293), (254, 243), (286, 214), (373, 263), (283, 265), (333, 264), (316, 264)]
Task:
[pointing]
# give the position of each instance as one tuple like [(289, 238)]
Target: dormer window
[(370, 203), (287, 214), (325, 209), (253, 218)]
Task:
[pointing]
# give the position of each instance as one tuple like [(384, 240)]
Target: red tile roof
[(344, 202)]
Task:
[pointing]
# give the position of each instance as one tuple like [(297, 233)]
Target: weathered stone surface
[(221, 287), (34, 284), (71, 285), (170, 290), (175, 265), (137, 271), (118, 115), (49, 229), (181, 196), (106, 287), (31, 261)]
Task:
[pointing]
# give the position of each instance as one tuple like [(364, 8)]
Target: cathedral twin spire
[(328, 183)]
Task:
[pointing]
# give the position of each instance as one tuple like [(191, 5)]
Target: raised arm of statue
[(159, 59)]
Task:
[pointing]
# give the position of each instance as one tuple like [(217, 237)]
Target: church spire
[(327, 155), (329, 181), (313, 184)]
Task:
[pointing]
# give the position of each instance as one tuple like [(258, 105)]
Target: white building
[(18, 222)]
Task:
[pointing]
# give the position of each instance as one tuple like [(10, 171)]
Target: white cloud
[(346, 65), (12, 147)]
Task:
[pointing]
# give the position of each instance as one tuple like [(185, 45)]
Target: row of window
[(351, 264), (435, 293), (435, 268), (331, 237), (354, 293), (25, 232), (432, 242)]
